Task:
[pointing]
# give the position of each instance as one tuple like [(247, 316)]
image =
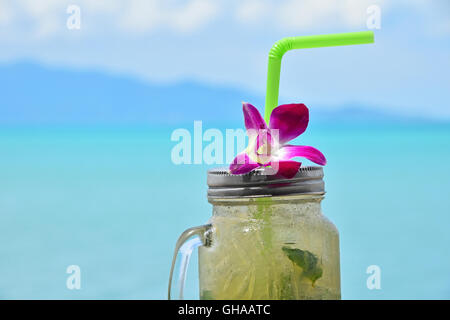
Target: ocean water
[(111, 201)]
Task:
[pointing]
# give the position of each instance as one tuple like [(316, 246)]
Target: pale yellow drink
[(270, 248)]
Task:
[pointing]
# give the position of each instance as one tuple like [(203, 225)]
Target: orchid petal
[(253, 119), (242, 164), (291, 120), (289, 151), (286, 168)]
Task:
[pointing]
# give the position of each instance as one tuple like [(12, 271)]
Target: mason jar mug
[(267, 239)]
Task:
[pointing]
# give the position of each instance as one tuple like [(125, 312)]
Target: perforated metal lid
[(263, 183)]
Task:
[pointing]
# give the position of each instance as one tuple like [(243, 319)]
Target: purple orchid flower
[(267, 144)]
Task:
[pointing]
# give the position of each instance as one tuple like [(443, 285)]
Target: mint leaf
[(305, 260)]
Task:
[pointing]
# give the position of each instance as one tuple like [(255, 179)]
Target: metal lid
[(263, 183)]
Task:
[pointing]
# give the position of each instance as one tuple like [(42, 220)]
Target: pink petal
[(242, 164), (252, 117), (286, 168), (289, 151), (290, 119)]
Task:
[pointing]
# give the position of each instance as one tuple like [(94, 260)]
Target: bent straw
[(284, 45)]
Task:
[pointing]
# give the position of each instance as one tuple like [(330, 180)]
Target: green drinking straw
[(284, 45)]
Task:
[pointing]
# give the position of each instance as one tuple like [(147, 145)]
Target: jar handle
[(189, 240)]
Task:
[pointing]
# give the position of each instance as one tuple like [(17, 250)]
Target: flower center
[(262, 147)]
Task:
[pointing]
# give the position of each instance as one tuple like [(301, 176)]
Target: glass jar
[(267, 239)]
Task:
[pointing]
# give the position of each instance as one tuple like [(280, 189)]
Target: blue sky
[(225, 43)]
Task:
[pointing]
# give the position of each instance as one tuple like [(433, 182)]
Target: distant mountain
[(32, 94), (357, 113)]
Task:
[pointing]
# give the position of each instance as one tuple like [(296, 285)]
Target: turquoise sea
[(109, 200)]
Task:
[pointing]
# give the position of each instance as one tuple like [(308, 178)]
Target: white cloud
[(46, 18), (306, 14), (141, 15), (148, 15), (194, 15), (38, 18), (297, 15), (6, 13), (251, 11)]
